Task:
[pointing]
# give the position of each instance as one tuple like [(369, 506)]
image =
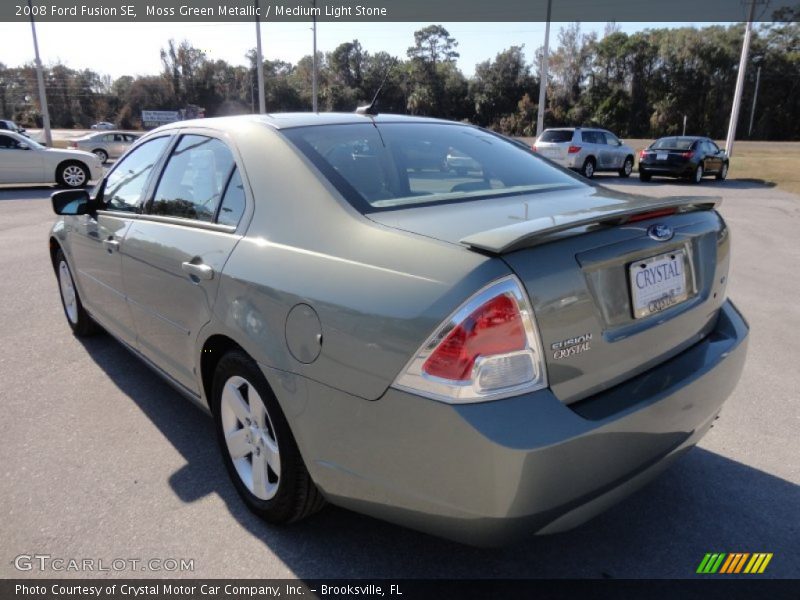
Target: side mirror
[(620, 143), (23, 146), (72, 202)]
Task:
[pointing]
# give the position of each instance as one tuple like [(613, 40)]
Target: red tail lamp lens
[(494, 328)]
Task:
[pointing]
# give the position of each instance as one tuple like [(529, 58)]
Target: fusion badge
[(571, 346)]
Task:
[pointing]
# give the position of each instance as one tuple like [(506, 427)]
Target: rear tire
[(645, 177), (587, 170), (77, 318), (723, 172), (258, 448), (697, 176), (72, 174), (627, 167)]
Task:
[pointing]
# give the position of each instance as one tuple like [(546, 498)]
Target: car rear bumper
[(488, 473), (571, 161), (683, 170)]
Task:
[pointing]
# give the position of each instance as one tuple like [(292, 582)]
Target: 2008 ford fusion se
[(481, 353)]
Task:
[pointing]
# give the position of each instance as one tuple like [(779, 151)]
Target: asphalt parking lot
[(101, 459)]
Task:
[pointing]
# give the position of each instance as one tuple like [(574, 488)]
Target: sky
[(117, 49)]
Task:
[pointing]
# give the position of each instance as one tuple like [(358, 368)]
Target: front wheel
[(72, 175), (723, 172), (627, 167), (102, 155), (78, 319), (698, 173), (257, 446)]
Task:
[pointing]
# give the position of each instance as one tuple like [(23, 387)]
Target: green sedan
[(481, 354)]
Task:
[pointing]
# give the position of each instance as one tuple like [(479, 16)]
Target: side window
[(126, 182), (194, 179), (6, 141), (591, 137), (232, 207), (611, 139), (107, 138), (712, 147)]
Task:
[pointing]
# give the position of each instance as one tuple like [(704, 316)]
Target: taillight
[(642, 154), (533, 148), (72, 145), (688, 154), (488, 349), (574, 149)]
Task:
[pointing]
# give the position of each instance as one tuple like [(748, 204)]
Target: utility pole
[(48, 135), (737, 96), (314, 58), (543, 74), (755, 97), (262, 102), (684, 125)]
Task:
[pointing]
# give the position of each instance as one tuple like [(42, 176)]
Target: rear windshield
[(673, 143), (556, 136), (396, 165)]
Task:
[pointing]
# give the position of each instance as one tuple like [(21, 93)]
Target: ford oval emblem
[(660, 232)]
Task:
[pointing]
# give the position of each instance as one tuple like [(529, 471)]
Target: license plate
[(658, 282), (662, 155)]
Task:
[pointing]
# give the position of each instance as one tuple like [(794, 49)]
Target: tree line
[(638, 85)]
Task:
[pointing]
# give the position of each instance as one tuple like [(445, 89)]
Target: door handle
[(198, 271), (110, 245)]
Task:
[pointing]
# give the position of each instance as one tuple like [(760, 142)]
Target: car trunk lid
[(576, 265)]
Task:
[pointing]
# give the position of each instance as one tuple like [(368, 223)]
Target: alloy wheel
[(74, 176), (68, 292), (250, 438)]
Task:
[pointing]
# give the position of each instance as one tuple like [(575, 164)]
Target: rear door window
[(593, 137), (233, 202), (194, 179)]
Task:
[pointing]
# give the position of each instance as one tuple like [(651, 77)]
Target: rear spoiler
[(540, 230)]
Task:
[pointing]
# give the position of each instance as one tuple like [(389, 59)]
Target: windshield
[(31, 143), (673, 143), (395, 165)]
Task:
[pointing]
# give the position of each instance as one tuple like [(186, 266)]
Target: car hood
[(497, 225), (59, 153)]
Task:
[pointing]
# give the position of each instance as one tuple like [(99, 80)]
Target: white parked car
[(104, 125), (587, 150), (23, 160)]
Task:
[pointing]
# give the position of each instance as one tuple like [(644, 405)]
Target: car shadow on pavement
[(25, 193), (704, 503), (730, 184)]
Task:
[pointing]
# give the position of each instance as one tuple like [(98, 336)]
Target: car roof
[(688, 138), (299, 119)]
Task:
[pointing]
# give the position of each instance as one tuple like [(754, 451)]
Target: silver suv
[(586, 150)]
